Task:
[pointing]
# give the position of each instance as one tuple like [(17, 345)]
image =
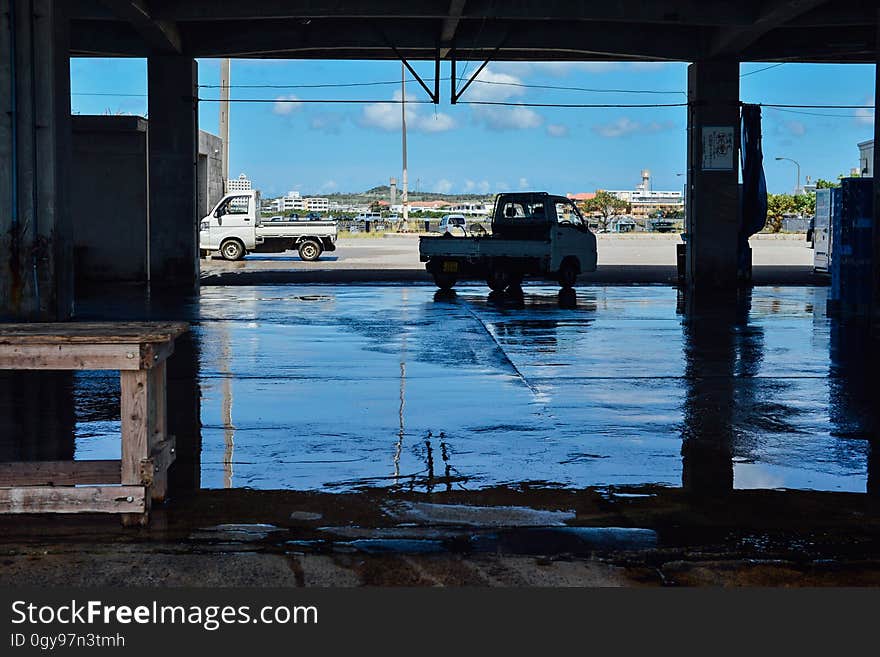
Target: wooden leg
[(136, 431), (159, 433)]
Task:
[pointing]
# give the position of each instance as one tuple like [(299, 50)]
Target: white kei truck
[(533, 234), (235, 228)]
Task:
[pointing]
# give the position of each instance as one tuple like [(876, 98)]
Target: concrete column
[(36, 271), (876, 232), (172, 144), (713, 184)]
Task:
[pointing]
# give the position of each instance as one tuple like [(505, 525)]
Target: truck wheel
[(232, 250), (444, 281), (497, 280), (309, 250), (568, 273)]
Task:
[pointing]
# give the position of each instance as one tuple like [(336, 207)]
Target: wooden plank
[(70, 357), (59, 473), (66, 499), (158, 443), (136, 429), (90, 332)]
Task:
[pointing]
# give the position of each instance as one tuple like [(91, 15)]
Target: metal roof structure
[(530, 30)]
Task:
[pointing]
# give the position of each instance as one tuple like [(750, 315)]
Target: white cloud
[(443, 186), (796, 128), (386, 116), (865, 116), (507, 118), (523, 183), (494, 87), (626, 126), (329, 186), (285, 105), (481, 187), (502, 186), (329, 122), (557, 130)]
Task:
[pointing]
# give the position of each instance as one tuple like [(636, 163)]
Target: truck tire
[(309, 250), (497, 280), (232, 249), (443, 280), (568, 273)]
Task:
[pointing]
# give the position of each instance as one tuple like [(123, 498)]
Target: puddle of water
[(342, 388)]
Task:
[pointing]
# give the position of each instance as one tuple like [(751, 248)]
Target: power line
[(760, 70), (841, 116), (315, 100), (571, 105)]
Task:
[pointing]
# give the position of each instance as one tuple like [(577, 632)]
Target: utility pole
[(404, 194), (224, 118)]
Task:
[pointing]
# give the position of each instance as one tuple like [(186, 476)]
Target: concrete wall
[(109, 192), (210, 172), (109, 198)]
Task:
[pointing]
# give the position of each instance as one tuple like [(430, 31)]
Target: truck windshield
[(235, 205)]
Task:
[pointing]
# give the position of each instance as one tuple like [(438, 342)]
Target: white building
[(316, 204), (866, 158), (240, 184), (645, 201), (472, 209)]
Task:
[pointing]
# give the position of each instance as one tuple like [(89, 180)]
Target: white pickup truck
[(235, 228), (533, 234)]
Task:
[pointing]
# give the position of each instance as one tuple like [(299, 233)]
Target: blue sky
[(320, 148)]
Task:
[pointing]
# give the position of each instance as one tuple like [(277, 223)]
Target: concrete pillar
[(36, 245), (713, 184), (712, 357), (876, 233), (172, 143)]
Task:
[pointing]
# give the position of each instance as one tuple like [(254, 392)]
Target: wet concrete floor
[(381, 420)]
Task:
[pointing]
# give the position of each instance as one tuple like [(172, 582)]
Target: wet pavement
[(377, 420), (340, 388)]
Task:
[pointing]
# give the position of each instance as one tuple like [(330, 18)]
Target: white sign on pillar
[(718, 148)]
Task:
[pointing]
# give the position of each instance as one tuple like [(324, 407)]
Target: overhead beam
[(732, 41), (162, 36), (694, 12), (449, 27), (417, 40)]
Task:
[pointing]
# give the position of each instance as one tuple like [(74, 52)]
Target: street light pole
[(797, 188)]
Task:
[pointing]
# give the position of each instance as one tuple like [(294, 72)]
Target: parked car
[(453, 223)]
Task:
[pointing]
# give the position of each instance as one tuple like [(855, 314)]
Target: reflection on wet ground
[(342, 388)]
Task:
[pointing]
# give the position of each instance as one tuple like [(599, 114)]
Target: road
[(401, 253)]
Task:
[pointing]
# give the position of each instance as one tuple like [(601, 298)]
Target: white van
[(453, 223)]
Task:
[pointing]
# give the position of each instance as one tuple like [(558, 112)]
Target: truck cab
[(229, 227)]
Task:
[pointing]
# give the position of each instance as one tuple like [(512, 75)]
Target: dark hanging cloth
[(753, 202)]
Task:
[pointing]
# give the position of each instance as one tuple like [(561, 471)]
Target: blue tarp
[(754, 189)]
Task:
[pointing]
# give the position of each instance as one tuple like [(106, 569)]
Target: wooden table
[(127, 486)]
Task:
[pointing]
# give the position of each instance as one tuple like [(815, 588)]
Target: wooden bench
[(128, 486)]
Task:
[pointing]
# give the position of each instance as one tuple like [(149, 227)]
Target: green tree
[(821, 183), (778, 205), (606, 205)]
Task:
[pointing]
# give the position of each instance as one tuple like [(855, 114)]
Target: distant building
[(472, 208), (581, 196), (240, 184), (866, 158), (316, 204), (645, 201)]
